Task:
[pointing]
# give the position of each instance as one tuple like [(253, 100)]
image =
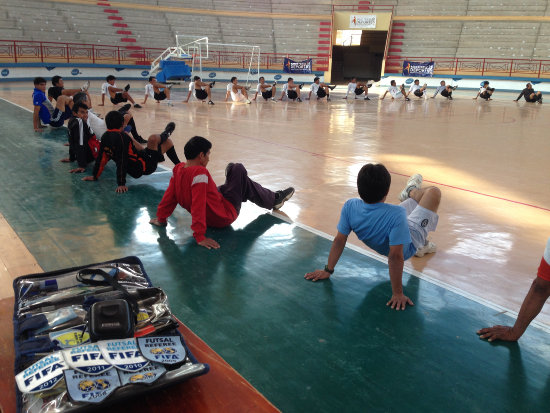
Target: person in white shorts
[(416, 90), (396, 231), (267, 91), (202, 90), (237, 92), (395, 92), (321, 90), (291, 90), (358, 88), (157, 91)]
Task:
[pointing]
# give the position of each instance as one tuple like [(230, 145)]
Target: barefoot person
[(192, 187)]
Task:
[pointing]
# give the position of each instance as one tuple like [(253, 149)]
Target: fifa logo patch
[(91, 389), (165, 349)]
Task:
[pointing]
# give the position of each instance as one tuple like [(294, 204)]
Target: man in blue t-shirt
[(396, 231), (43, 109)]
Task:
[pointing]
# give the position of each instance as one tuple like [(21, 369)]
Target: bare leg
[(167, 93), (126, 95), (298, 91), (63, 101), (428, 197), (154, 141)]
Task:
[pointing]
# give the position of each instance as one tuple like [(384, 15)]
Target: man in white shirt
[(291, 90), (485, 92), (395, 92), (416, 90), (157, 91), (358, 88), (202, 90), (117, 95), (445, 90), (267, 91), (238, 93), (320, 89)]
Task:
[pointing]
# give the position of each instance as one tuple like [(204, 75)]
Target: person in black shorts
[(485, 92), (292, 90), (58, 88), (119, 95), (202, 90), (267, 91), (445, 90), (131, 157), (530, 95), (153, 89)]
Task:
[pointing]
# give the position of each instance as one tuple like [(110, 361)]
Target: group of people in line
[(395, 231)]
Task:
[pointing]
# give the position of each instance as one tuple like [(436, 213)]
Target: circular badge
[(277, 77), (75, 72), (5, 72), (145, 73), (409, 81), (212, 75)]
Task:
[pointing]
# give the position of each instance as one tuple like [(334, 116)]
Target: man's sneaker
[(228, 168), (85, 86), (127, 87), (210, 102), (425, 85), (167, 131), (407, 99), (298, 99), (429, 248), (169, 86), (275, 83), (212, 84), (282, 196), (332, 87), (275, 100), (450, 98), (367, 98), (137, 106), (247, 101), (301, 85), (415, 181)]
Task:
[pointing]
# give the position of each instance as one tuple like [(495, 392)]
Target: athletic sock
[(173, 156)]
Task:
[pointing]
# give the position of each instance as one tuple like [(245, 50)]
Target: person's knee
[(239, 168), (154, 139), (433, 192), (127, 117)]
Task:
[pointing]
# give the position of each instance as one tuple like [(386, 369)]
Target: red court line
[(392, 172)]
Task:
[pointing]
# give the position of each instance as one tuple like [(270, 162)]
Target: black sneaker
[(212, 84), (167, 131), (407, 99), (328, 99), (367, 98), (298, 99), (332, 87), (228, 167), (127, 87), (140, 139), (450, 98), (301, 85), (210, 102), (282, 196), (137, 106)]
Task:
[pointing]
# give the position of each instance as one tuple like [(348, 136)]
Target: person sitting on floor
[(237, 92), (58, 89), (396, 231), (485, 92), (445, 90), (118, 95), (83, 143), (531, 307), (530, 95), (202, 90), (130, 156), (267, 91), (291, 90), (157, 91), (321, 90), (192, 187), (44, 111), (358, 88), (416, 90), (395, 92)]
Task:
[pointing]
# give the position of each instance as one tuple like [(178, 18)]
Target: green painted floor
[(331, 346)]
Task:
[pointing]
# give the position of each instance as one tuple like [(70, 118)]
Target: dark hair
[(195, 78), (114, 120), (151, 78), (373, 183), (261, 77), (195, 146), (79, 97), (416, 80), (441, 82), (55, 80), (486, 82), (38, 80), (528, 84), (79, 105), (392, 83), (289, 79), (233, 78), (315, 79), (110, 77)]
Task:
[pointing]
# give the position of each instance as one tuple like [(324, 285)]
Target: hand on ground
[(503, 333), (209, 243), (317, 275), (157, 223), (121, 189), (399, 301)]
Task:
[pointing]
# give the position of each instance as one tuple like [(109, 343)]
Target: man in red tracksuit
[(192, 187)]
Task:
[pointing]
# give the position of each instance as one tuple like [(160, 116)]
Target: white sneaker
[(274, 100), (429, 248), (85, 86), (169, 86), (248, 101), (415, 181)]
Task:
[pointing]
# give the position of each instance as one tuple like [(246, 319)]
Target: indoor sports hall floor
[(334, 344)]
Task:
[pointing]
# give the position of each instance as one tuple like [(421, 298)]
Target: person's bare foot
[(65, 160)]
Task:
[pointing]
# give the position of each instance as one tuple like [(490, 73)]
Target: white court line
[(500, 309), (407, 268)]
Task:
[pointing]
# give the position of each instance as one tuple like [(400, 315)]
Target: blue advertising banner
[(418, 69), (305, 66)]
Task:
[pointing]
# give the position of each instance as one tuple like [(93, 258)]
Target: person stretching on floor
[(267, 91), (202, 90), (58, 89), (396, 231), (357, 88), (118, 95), (395, 92), (485, 92), (157, 91), (130, 156), (192, 187), (530, 95), (445, 90), (291, 90), (531, 307), (416, 90), (321, 90), (44, 111), (237, 92)]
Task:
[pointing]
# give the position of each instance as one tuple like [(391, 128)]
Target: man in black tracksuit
[(83, 144), (530, 95)]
